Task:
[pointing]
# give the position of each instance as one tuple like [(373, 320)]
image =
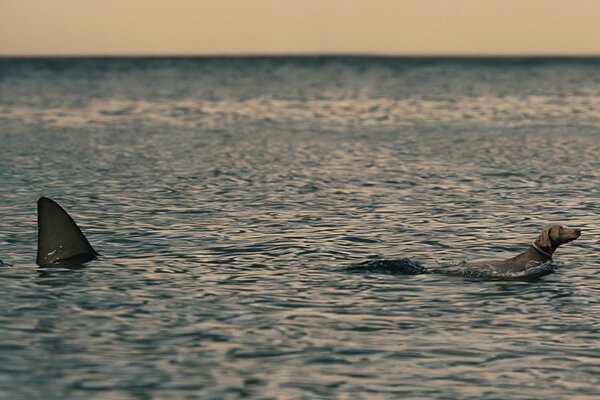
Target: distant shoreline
[(557, 57)]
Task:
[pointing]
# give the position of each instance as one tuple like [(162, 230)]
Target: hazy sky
[(467, 27)]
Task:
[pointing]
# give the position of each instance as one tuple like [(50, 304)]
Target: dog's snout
[(577, 231)]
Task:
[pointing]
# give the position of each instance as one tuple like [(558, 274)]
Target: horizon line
[(306, 55)]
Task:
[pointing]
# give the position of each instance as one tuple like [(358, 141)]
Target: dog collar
[(542, 252)]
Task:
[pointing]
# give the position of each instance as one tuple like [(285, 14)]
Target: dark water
[(227, 196)]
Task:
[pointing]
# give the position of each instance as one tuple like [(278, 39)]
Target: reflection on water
[(226, 196), (382, 113)]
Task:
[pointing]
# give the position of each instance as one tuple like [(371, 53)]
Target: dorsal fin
[(59, 238)]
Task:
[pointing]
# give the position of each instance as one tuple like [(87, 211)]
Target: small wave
[(406, 266), (401, 266), (480, 271)]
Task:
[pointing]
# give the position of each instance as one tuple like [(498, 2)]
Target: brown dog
[(539, 252)]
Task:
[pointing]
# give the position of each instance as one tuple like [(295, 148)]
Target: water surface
[(227, 196)]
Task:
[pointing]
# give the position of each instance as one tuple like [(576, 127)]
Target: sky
[(241, 27)]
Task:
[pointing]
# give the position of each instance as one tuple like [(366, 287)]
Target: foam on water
[(466, 269), (406, 266)]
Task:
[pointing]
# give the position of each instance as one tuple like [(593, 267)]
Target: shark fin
[(60, 240)]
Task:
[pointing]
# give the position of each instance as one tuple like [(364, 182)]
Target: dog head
[(553, 236)]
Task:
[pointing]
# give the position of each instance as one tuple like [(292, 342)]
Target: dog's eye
[(560, 229)]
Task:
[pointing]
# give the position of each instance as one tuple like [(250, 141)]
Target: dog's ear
[(544, 238)]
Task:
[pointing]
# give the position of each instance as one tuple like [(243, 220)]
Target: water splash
[(406, 266), (463, 268), (400, 266)]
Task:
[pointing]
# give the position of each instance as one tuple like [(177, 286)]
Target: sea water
[(229, 196)]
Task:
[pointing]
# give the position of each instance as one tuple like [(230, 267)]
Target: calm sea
[(228, 196)]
